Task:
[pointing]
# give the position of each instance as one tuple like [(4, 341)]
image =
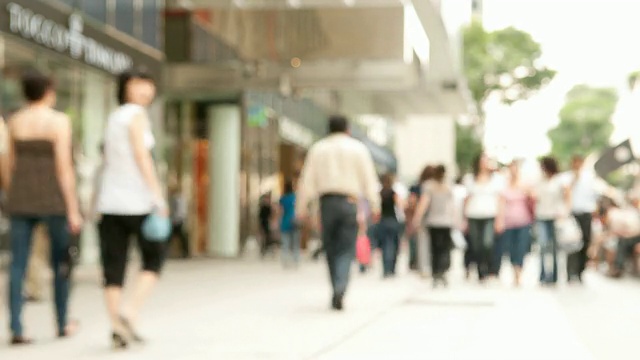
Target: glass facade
[(97, 10), (125, 15)]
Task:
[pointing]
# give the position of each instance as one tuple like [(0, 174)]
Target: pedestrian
[(130, 192), (436, 207), (338, 169), (266, 216), (550, 197), (460, 222), (388, 230), (482, 209), (411, 232), (289, 229), (518, 215), (584, 194), (41, 188), (179, 211)]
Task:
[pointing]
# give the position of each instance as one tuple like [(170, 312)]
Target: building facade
[(83, 45)]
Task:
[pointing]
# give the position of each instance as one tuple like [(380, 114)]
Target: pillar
[(224, 186), (94, 114)]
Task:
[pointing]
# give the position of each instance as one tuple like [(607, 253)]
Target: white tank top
[(123, 190)]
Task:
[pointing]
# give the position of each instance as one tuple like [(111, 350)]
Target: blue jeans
[(388, 231), (339, 233), (517, 240), (21, 235), (290, 247), (481, 239), (546, 234)]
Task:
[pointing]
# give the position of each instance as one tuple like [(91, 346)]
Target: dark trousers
[(339, 233), (267, 237), (21, 235), (116, 232), (388, 237), (625, 249), (177, 231), (441, 245), (584, 220), (481, 239), (468, 253), (413, 252)]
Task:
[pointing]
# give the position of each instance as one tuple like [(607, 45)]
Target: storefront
[(83, 58)]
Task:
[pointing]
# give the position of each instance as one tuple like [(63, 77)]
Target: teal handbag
[(156, 228)]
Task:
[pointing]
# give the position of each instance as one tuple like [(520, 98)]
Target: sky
[(591, 42)]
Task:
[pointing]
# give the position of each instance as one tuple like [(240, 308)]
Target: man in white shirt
[(584, 190), (338, 170)]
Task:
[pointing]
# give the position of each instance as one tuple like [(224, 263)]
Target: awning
[(384, 159)]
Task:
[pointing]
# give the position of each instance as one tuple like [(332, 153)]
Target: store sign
[(67, 39), (295, 133)]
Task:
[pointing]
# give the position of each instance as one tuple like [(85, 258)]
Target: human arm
[(143, 159), (307, 189), (6, 155), (421, 209), (65, 172), (370, 183), (499, 224)]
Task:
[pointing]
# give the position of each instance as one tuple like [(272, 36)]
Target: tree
[(468, 146), (504, 62), (585, 125), (632, 79)]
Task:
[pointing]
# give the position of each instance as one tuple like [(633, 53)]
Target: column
[(94, 114), (224, 171)]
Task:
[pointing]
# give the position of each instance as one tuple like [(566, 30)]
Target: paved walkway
[(247, 309)]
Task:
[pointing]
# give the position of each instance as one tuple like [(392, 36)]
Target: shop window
[(150, 16), (125, 14), (96, 10)]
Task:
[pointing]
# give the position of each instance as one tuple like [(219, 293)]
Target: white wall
[(422, 140)]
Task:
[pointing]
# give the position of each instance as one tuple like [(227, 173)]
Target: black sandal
[(118, 341), (132, 332)]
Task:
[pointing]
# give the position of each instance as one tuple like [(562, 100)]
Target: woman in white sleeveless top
[(130, 191)]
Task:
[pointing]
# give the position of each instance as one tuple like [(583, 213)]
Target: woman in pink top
[(518, 217)]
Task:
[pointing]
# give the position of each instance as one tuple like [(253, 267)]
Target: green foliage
[(585, 125), (468, 146), (620, 180), (632, 79), (506, 62)]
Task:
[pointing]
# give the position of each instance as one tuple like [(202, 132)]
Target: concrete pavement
[(248, 309)]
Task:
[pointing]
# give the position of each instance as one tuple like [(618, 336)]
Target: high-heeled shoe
[(132, 332), (118, 341)]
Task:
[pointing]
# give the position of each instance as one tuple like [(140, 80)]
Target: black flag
[(613, 158)]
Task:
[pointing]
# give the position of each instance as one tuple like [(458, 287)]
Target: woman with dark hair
[(39, 178), (518, 217), (550, 199), (289, 232), (437, 198), (483, 212), (388, 229), (130, 191)]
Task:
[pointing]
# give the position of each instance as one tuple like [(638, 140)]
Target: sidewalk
[(248, 309)]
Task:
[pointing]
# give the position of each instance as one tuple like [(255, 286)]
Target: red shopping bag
[(363, 250)]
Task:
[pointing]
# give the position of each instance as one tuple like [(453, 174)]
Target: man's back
[(339, 164)]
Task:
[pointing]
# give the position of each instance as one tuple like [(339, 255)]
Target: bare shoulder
[(60, 119)]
